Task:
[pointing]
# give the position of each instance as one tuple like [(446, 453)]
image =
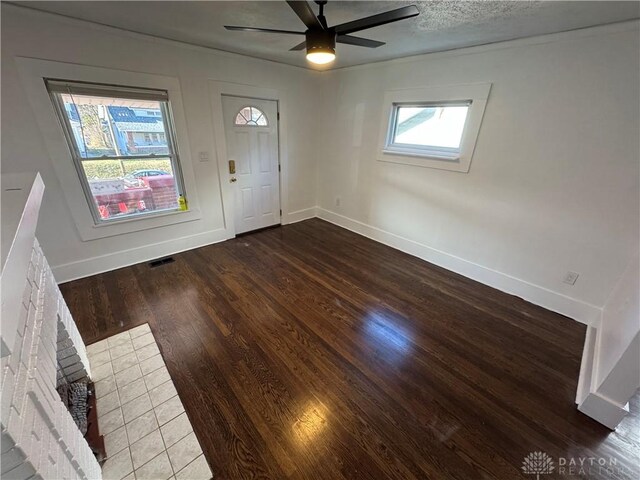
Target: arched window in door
[(250, 117)]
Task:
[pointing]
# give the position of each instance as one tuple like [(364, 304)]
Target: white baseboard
[(571, 307), (604, 410), (104, 263), (576, 309), (300, 215)]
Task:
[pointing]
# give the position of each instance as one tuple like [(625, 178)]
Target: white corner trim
[(571, 307), (124, 258), (300, 215), (586, 365)]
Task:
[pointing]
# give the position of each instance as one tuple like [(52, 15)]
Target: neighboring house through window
[(138, 129)]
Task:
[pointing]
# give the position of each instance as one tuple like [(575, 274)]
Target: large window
[(429, 129), (122, 142)]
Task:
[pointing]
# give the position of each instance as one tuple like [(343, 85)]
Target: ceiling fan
[(321, 39)]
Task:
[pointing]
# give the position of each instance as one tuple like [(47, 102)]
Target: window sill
[(451, 163), (138, 217), (137, 224), (451, 157)]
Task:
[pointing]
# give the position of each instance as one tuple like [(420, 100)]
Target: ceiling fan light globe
[(320, 57)]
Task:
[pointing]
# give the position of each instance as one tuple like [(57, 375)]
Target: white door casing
[(254, 148)]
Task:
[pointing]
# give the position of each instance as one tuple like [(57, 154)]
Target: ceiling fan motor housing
[(321, 41)]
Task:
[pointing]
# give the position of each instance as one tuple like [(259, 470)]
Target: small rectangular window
[(109, 130), (427, 129)]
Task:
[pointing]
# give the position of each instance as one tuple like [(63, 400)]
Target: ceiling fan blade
[(305, 13), (264, 30), (300, 46), (377, 20), (360, 42)]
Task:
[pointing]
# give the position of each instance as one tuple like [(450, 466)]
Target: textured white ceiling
[(441, 25)]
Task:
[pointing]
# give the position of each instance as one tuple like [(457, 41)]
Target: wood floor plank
[(309, 352)]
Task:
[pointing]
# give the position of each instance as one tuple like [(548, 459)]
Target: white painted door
[(251, 130)]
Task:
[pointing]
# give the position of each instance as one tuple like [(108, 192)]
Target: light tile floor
[(146, 431)]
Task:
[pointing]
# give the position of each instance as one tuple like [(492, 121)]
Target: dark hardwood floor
[(308, 351)]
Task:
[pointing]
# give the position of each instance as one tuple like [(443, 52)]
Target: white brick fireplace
[(40, 345)]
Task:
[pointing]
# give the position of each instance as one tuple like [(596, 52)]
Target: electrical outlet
[(338, 201), (570, 278)]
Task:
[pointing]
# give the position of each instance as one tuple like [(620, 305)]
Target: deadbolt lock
[(232, 167)]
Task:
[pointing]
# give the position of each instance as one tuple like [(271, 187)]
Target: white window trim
[(440, 158), (33, 72)]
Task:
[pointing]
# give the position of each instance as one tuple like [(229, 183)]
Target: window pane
[(262, 121), (240, 120), (438, 126), (115, 126), (251, 116), (127, 187)]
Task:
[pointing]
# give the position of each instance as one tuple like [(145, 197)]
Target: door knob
[(233, 179)]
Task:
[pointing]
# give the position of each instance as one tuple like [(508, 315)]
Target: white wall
[(32, 34), (554, 181)]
